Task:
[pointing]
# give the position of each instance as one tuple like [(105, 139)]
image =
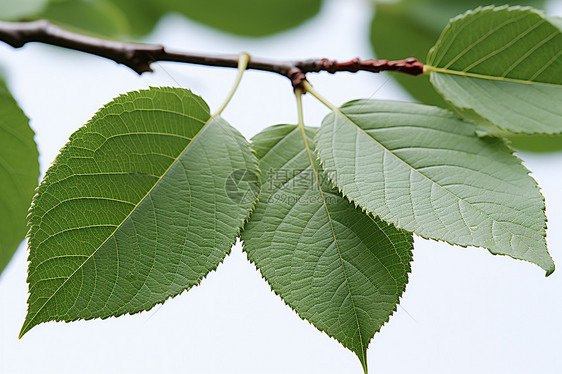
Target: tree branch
[(138, 57)]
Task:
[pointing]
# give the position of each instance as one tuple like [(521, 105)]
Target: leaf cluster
[(148, 197)]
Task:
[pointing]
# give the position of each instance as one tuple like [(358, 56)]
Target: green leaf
[(19, 172), (11, 10), (337, 267), (503, 64), (410, 28), (134, 210), (424, 170), (246, 17)]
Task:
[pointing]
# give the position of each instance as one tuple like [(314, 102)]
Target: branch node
[(297, 77)]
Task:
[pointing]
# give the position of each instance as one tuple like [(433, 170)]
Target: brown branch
[(138, 57)]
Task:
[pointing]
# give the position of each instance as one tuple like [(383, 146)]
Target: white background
[(464, 311)]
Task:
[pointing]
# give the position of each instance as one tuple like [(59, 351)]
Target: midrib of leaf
[(423, 175), (309, 153), (29, 321), (432, 69)]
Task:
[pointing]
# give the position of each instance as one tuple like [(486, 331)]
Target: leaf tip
[(550, 270), (365, 368), (24, 329), (362, 356)]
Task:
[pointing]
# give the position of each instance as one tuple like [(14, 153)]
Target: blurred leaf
[(15, 10), (536, 143), (121, 19), (19, 171), (424, 170), (396, 34), (246, 17), (141, 15), (337, 267), (97, 17), (503, 64), (134, 209), (117, 19)]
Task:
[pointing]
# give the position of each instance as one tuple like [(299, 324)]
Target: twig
[(138, 57)]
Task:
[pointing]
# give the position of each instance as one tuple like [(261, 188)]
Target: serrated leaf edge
[(28, 325), (331, 176), (407, 235)]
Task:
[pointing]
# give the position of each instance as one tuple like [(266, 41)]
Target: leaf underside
[(19, 171), (337, 267), (134, 209), (423, 169), (504, 64)]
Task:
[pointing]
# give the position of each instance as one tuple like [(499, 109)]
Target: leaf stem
[(298, 93), (428, 69), (308, 88), (243, 60)]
